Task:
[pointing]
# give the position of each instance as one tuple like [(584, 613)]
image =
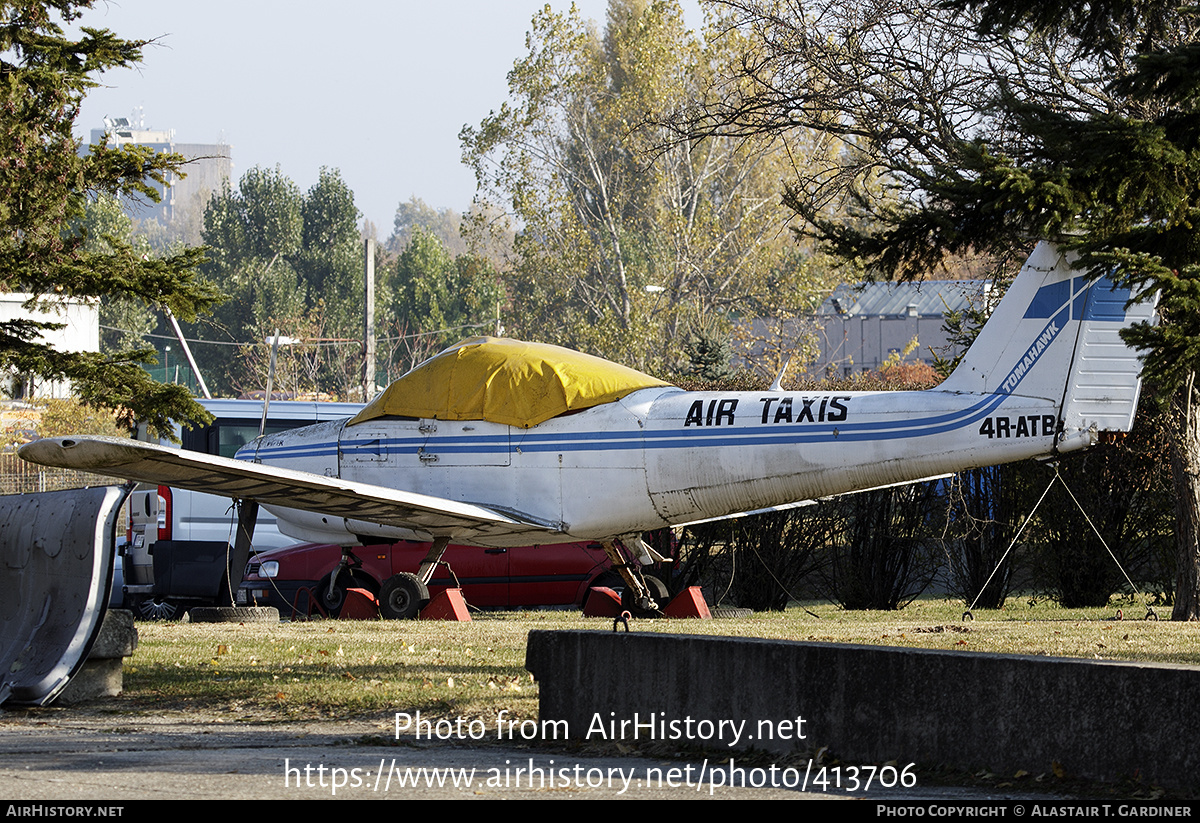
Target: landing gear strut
[(346, 565), (637, 594), (436, 550)]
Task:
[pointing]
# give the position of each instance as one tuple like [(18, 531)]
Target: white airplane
[(501, 443)]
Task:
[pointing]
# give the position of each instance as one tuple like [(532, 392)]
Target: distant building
[(209, 166), (859, 326)]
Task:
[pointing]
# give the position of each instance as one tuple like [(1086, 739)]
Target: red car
[(552, 575)]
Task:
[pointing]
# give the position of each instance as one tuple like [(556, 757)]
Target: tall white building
[(209, 166)]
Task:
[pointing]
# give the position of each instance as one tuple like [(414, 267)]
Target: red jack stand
[(449, 605), (602, 602), (688, 603), (360, 604)]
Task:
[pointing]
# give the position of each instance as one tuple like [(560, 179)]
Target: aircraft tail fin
[(1056, 336)]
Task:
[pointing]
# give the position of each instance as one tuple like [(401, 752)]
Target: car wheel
[(402, 596), (332, 598), (154, 608)]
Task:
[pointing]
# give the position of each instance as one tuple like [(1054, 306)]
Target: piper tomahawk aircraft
[(501, 443)]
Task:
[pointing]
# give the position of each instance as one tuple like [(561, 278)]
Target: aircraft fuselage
[(663, 456)]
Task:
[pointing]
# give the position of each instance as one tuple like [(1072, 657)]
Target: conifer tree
[(45, 185), (1122, 187), (995, 123)]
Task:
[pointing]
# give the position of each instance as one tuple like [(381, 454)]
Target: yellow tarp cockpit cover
[(505, 381)]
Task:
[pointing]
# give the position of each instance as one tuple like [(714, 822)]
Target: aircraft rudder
[(1056, 335), (1105, 380)]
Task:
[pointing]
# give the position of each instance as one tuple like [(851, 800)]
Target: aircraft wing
[(152, 463)]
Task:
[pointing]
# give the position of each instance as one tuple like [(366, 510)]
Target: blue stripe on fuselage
[(655, 440)]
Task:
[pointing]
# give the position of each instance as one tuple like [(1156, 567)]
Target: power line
[(314, 342)]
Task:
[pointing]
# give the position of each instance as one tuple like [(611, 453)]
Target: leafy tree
[(625, 240), (123, 322), (330, 259), (887, 555), (62, 417), (1122, 185), (759, 561), (439, 298), (289, 261), (987, 507), (876, 88), (416, 214), (775, 324), (302, 370), (1126, 489), (45, 186), (708, 353), (253, 235)]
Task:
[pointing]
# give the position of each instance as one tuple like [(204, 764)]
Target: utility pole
[(187, 351), (369, 320)]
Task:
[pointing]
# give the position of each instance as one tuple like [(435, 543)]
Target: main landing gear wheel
[(402, 597), (658, 591)]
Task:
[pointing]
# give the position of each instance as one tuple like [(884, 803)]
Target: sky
[(378, 89)]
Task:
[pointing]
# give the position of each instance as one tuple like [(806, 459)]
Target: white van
[(185, 535)]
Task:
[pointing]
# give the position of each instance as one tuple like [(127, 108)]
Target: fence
[(20, 477)]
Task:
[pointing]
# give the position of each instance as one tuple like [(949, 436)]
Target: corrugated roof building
[(860, 325)]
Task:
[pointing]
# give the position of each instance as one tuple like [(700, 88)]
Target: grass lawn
[(343, 669)]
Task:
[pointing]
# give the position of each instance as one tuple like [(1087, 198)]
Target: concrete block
[(101, 674), (1099, 720), (118, 636)]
